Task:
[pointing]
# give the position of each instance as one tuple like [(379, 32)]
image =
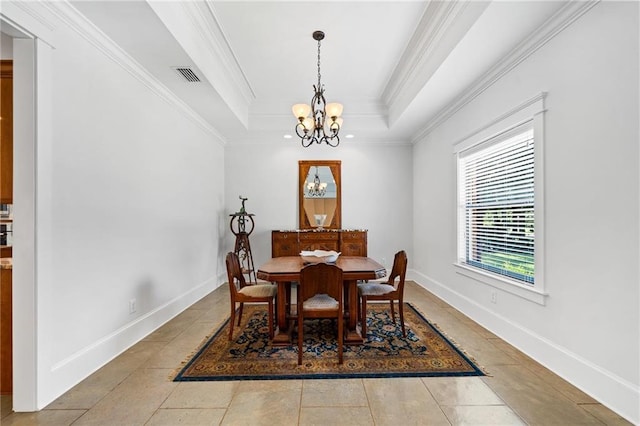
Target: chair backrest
[(234, 273), (321, 278), (399, 270)]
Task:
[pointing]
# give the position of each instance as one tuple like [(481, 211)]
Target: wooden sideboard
[(349, 242)]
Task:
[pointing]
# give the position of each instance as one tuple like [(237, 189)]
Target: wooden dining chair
[(242, 293), (391, 290), (320, 295)]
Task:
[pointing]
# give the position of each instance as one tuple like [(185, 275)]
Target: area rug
[(425, 352)]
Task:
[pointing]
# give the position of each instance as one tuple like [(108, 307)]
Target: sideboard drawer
[(319, 240), (284, 244), (319, 236), (353, 243), (285, 235)]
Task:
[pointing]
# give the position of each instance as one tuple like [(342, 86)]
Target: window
[(501, 236), (496, 201)]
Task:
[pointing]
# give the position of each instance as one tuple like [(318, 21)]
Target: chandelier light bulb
[(334, 109), (301, 111), (308, 124)]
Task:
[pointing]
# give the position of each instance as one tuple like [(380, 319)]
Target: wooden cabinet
[(6, 251), (6, 132), (291, 243)]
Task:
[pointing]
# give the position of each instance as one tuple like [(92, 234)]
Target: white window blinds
[(496, 190)]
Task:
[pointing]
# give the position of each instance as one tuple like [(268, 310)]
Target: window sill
[(503, 283)]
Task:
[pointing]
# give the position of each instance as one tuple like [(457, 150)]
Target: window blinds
[(497, 202)]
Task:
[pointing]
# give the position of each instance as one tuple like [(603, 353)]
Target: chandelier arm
[(307, 141), (300, 127), (329, 141)]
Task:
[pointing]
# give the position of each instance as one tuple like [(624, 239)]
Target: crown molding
[(29, 9), (75, 20), (562, 19), (212, 33), (428, 32), (195, 28), (442, 26), (27, 18)]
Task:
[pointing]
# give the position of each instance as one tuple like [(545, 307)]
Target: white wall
[(140, 198), (588, 331), (132, 188), (376, 190)]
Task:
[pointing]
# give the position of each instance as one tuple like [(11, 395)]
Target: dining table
[(285, 271)]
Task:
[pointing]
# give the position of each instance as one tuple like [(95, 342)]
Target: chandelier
[(320, 121), (316, 188)]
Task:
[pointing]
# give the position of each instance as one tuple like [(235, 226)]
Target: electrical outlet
[(494, 297), (132, 306)]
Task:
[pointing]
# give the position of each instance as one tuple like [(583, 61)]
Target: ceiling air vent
[(187, 74)]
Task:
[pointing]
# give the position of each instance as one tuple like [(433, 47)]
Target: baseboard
[(609, 389), (75, 368)]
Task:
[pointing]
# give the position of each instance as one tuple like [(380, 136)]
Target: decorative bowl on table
[(319, 256)]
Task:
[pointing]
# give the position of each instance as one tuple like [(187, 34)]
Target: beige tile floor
[(135, 388)]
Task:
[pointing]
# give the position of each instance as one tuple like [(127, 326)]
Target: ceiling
[(394, 65)]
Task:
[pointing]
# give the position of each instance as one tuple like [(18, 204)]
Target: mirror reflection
[(320, 196)]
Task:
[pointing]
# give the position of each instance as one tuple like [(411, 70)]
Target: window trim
[(530, 110)]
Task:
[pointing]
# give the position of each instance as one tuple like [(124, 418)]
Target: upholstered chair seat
[(375, 289), (259, 290), (320, 302)]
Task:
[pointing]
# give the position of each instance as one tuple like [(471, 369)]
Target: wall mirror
[(319, 197)]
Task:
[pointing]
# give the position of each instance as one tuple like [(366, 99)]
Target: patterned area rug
[(425, 352)]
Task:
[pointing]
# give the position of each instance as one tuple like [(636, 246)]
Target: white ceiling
[(394, 65)]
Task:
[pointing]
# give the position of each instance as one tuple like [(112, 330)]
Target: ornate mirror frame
[(303, 170)]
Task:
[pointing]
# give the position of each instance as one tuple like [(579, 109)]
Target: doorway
[(21, 47), (6, 218)]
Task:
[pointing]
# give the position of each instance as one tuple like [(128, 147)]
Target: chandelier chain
[(318, 64)]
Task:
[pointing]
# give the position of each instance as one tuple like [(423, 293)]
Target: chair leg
[(232, 319), (240, 313), (300, 332), (393, 314), (401, 309), (364, 318), (340, 335)]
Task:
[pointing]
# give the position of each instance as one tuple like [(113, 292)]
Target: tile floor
[(135, 388)]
